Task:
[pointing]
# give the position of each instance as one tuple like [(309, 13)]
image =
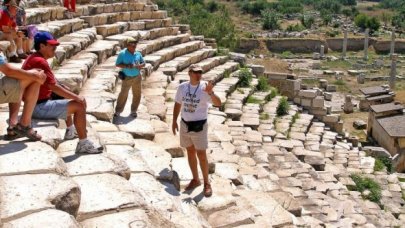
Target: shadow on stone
[(72, 157), (12, 147)]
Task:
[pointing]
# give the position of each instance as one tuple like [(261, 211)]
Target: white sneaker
[(69, 135), (88, 147)]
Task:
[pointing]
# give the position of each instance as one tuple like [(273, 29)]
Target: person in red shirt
[(48, 108), (70, 5), (10, 32)]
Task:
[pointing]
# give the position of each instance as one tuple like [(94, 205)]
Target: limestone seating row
[(62, 27), (44, 14), (170, 53), (144, 34), (102, 20)]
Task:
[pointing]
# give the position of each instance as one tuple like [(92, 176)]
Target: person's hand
[(209, 88), (39, 75), (82, 101), (175, 127)]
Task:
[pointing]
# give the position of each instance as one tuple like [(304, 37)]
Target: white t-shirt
[(194, 101)]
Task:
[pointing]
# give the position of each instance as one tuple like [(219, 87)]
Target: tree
[(361, 21), (270, 20), (373, 24), (386, 18), (399, 19), (307, 21)]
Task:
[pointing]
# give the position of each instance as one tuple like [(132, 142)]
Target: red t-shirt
[(6, 20), (37, 61)]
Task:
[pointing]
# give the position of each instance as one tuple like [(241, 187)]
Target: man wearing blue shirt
[(131, 62)]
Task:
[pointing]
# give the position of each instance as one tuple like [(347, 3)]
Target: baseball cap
[(195, 68), (45, 37), (131, 40)]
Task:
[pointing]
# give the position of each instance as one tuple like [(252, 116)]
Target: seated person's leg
[(19, 41), (79, 119), (12, 49)]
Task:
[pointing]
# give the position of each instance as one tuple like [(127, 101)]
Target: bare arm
[(61, 91), (176, 111), (19, 74), (215, 100)]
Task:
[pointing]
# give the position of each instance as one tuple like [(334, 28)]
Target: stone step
[(62, 27), (103, 49), (73, 43), (116, 24), (144, 34), (172, 52), (105, 194), (182, 62), (29, 193), (147, 47), (44, 14), (45, 218), (75, 71)]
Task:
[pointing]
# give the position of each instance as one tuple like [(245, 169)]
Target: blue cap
[(45, 37)]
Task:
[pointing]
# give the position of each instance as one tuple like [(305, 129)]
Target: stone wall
[(303, 45), (295, 45), (383, 46), (382, 137), (311, 100), (353, 44)]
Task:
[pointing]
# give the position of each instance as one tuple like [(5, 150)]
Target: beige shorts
[(198, 139), (9, 90)]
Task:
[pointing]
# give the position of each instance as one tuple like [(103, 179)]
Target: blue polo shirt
[(125, 57)]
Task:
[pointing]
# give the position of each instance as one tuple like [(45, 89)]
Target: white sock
[(83, 140), (20, 51), (71, 128), (11, 54)]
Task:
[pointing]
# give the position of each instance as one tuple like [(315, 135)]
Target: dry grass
[(271, 64), (348, 120)]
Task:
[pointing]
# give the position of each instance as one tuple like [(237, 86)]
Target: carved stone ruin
[(348, 106)]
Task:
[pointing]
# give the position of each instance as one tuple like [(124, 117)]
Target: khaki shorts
[(198, 139), (9, 90)]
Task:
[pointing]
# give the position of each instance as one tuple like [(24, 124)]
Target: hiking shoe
[(117, 114), (134, 114), (22, 56), (207, 190), (15, 59), (192, 185), (69, 135), (87, 147)]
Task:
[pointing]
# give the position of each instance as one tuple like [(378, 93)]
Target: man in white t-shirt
[(193, 99)]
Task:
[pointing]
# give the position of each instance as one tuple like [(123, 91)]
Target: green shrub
[(245, 77), (272, 94), (363, 21), (263, 84), (270, 20), (212, 20), (295, 28), (264, 116), (365, 183), (286, 54), (339, 82), (386, 162), (283, 107), (253, 100), (307, 21), (295, 117), (378, 165)]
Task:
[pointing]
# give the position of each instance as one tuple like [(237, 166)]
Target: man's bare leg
[(79, 118), (192, 162), (202, 157)]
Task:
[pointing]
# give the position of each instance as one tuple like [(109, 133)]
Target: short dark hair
[(37, 45)]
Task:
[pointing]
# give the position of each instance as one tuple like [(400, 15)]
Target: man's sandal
[(11, 134), (27, 132)]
